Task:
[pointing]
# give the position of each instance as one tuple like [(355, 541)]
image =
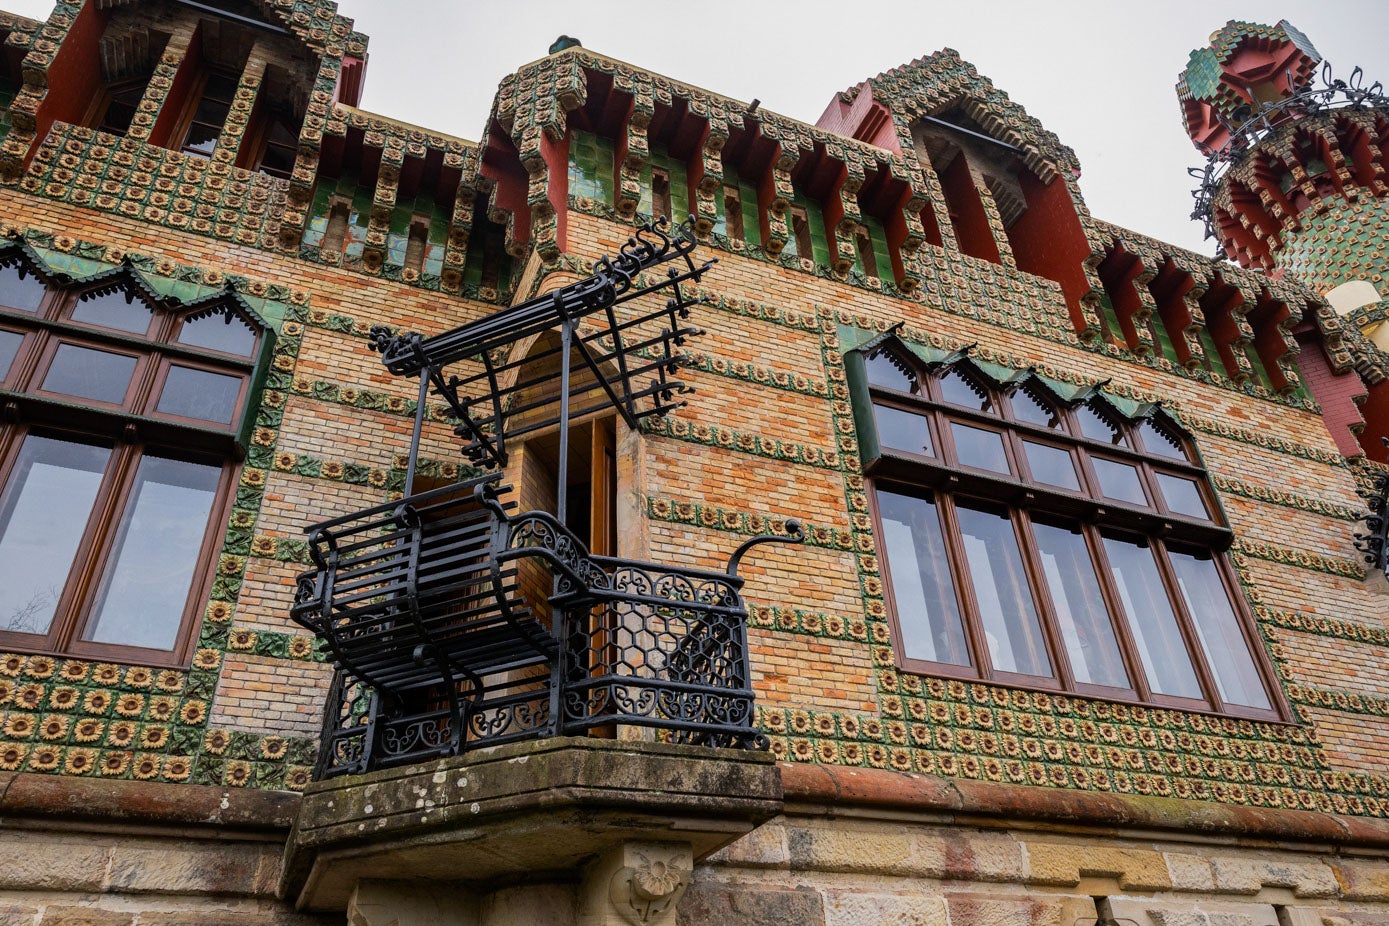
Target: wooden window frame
[(133, 430), (256, 143), (106, 95), (947, 484), (161, 376), (187, 118)]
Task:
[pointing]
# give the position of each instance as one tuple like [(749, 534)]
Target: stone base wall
[(59, 876), (823, 868)]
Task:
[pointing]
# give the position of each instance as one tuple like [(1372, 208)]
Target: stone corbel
[(636, 884)]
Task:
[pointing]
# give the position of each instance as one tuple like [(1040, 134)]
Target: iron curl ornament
[(1373, 543), (1331, 94)]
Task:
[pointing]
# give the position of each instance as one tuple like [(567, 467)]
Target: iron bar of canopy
[(612, 284), (421, 402), (1332, 94)]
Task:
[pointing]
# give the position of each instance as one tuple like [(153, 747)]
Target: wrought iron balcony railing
[(429, 606)]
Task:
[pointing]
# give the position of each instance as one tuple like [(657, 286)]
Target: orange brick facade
[(768, 434)]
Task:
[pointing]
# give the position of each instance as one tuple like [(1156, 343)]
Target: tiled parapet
[(164, 187), (25, 110)]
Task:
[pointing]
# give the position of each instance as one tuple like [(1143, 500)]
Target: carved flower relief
[(655, 878), (646, 892)]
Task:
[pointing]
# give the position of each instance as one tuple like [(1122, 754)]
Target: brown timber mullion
[(1119, 618), (1187, 625)]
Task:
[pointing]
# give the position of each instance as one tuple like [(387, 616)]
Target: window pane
[(1027, 407), (9, 346), (210, 112), (20, 289), (1080, 609), (89, 374), (902, 430), (113, 310), (145, 588), (958, 389), (979, 448), (1119, 481), (225, 333), (43, 511), (1226, 650), (1011, 626), (202, 138), (220, 87), (1154, 626), (278, 160), (1159, 442), (191, 393), (926, 607), (1051, 465), (121, 109), (1182, 496), (1097, 427), (885, 371)]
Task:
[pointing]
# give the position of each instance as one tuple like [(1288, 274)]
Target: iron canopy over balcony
[(438, 644)]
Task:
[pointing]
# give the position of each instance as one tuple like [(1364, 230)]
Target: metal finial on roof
[(563, 42)]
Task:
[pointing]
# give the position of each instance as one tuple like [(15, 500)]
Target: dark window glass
[(1226, 649), (887, 372), (958, 389), (202, 136), (1027, 407), (1012, 629), (281, 146), (902, 430), (43, 512), (20, 289), (9, 346), (1119, 481), (116, 310), (120, 109), (278, 160), (1154, 625), (210, 114), (1097, 427), (89, 374), (145, 588), (1158, 442), (1182, 496), (191, 393), (979, 447), (1051, 465), (226, 333), (1086, 629), (927, 611)]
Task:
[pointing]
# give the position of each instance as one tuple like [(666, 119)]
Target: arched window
[(1049, 544), (117, 457)]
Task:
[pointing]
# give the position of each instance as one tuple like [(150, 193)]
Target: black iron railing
[(438, 651), (432, 606)]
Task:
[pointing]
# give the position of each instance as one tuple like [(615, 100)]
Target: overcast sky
[(1098, 74)]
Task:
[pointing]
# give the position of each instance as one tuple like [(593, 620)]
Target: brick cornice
[(152, 803), (984, 803)]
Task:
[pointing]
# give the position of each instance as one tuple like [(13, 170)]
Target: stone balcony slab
[(525, 812)]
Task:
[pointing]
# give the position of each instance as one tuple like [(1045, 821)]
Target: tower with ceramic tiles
[(1295, 185)]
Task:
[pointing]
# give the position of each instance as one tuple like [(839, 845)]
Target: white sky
[(1098, 74)]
